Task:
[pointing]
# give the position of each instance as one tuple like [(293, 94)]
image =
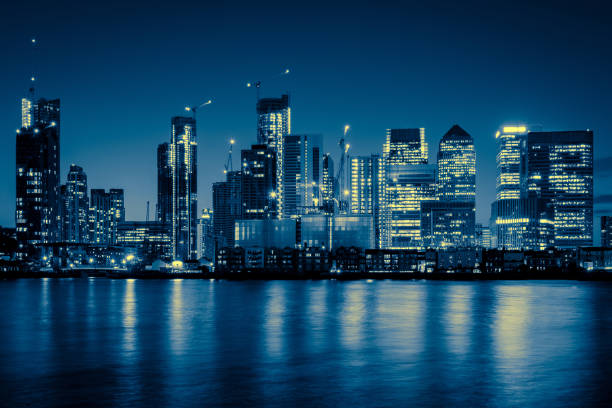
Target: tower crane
[(341, 191), (257, 84), (229, 166), (194, 109)]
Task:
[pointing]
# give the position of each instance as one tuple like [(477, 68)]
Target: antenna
[(147, 212)]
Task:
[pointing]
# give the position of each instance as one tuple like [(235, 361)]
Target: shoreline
[(347, 276)]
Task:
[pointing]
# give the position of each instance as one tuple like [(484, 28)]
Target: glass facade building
[(227, 208), (560, 174), (183, 165), (273, 124), (76, 204), (164, 184), (258, 182), (37, 155), (301, 174), (447, 224), (606, 231)]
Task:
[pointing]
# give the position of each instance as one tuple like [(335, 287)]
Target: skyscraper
[(106, 211), (451, 220), (183, 164), (457, 166), (227, 208), (508, 218), (301, 174), (164, 184), (258, 182), (560, 173), (327, 184), (206, 235), (365, 188), (37, 175), (273, 123), (407, 187), (76, 222), (405, 181)]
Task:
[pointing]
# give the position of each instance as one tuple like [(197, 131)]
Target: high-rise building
[(99, 219), (301, 174), (164, 184), (457, 166), (152, 238), (606, 231), (560, 174), (406, 188), (227, 208), (327, 184), (37, 176), (206, 235), (447, 224), (405, 181), (76, 221), (106, 211), (273, 124), (183, 164), (451, 220), (483, 237), (508, 219), (258, 182), (365, 188)]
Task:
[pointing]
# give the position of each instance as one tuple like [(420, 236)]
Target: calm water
[(80, 342)]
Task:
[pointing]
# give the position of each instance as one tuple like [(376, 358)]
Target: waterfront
[(284, 343)]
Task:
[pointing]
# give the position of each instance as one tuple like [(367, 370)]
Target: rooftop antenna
[(229, 165), (34, 42), (147, 211)]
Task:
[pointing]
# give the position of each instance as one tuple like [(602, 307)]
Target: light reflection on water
[(323, 343)]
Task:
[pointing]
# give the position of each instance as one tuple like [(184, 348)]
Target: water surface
[(77, 342)]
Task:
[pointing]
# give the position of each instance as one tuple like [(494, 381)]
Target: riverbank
[(243, 276)]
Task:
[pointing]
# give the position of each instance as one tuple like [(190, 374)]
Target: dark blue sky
[(122, 71)]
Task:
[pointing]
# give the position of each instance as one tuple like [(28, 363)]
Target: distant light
[(91, 260), (36, 130), (33, 40), (177, 264), (53, 123), (112, 261), (123, 262), (273, 194), (346, 192), (515, 129), (44, 258), (33, 79), (286, 71), (18, 131), (232, 141), (346, 128), (187, 108), (72, 265), (129, 257)]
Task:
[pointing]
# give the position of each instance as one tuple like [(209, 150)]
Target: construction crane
[(257, 84), (341, 190), (194, 109), (229, 166)]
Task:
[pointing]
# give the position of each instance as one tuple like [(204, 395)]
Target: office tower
[(258, 182), (206, 235), (606, 231), (451, 220), (76, 221), (37, 176), (99, 217), (457, 166), (117, 211), (327, 184), (560, 174), (183, 165), (274, 123), (227, 208), (365, 188), (406, 188), (447, 224), (164, 184), (405, 180), (405, 146), (153, 239), (106, 211), (301, 174), (508, 219)]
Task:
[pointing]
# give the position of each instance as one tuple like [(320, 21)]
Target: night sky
[(122, 71)]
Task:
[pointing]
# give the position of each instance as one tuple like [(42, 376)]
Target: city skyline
[(141, 185)]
